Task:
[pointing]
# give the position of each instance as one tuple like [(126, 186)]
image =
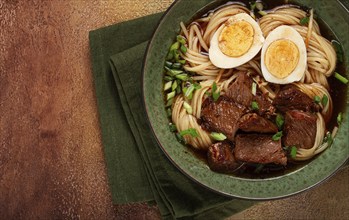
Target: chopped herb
[(174, 85), (172, 127), (253, 5), (169, 103), (304, 21), (188, 107), (293, 152), (182, 76), (168, 78), (176, 65), (191, 131), (339, 51), (277, 136), (182, 61), (254, 88), (170, 55), (339, 118), (189, 91), (168, 64), (254, 105), (197, 86), (279, 121), (167, 85), (178, 89), (176, 55), (263, 13), (340, 78), (215, 94), (180, 138), (172, 72), (317, 99), (259, 6), (174, 46), (218, 136), (181, 39), (183, 49), (170, 95), (324, 100)]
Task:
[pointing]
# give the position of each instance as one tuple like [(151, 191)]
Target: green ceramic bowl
[(317, 170)]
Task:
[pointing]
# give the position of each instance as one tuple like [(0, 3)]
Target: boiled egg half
[(284, 56), (235, 42)]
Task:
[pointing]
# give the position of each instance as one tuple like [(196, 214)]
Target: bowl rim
[(186, 173)]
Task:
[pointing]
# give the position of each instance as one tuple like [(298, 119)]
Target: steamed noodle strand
[(321, 62)]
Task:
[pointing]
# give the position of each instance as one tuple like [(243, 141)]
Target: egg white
[(287, 33), (219, 59)]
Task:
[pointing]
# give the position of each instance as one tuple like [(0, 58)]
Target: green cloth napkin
[(137, 168)]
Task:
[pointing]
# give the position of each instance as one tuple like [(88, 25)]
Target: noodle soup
[(249, 88)]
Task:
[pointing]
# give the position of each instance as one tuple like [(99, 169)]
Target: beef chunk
[(299, 129), (221, 116), (290, 98), (251, 122), (220, 158), (259, 148), (241, 92)]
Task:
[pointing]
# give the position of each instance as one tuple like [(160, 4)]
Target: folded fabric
[(137, 168)]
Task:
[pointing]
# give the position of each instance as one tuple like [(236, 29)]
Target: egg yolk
[(281, 58), (236, 39)]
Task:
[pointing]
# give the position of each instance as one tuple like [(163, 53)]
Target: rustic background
[(51, 158)]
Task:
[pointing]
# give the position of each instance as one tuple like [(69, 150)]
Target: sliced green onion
[(259, 6), (317, 99), (339, 118), (182, 76), (263, 13), (340, 78), (169, 103), (254, 88), (174, 85), (254, 105), (172, 127), (181, 39), (188, 107), (215, 94), (277, 136), (176, 65), (170, 95), (180, 138), (214, 86), (324, 100), (279, 121), (167, 85), (170, 55), (304, 21), (174, 46), (328, 138), (178, 89), (339, 51), (189, 90), (176, 55), (173, 71), (293, 152), (197, 86), (252, 5), (191, 131), (169, 112), (168, 64), (168, 78), (182, 61), (183, 49), (218, 136)]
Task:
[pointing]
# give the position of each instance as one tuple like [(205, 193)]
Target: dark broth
[(338, 92)]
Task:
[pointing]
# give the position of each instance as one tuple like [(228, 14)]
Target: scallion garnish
[(168, 64), (178, 89), (339, 118), (339, 51), (189, 90), (279, 121), (174, 85), (277, 136), (191, 131), (168, 78), (324, 100), (254, 88), (340, 78), (254, 105), (176, 65), (167, 85), (170, 55), (183, 49), (173, 72), (182, 76), (218, 136), (293, 152), (170, 95), (182, 61), (181, 39), (172, 127), (263, 13), (215, 94), (169, 103), (317, 99), (174, 46), (180, 138), (187, 107), (259, 6), (304, 21)]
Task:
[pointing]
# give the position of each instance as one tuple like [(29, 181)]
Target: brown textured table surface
[(51, 157)]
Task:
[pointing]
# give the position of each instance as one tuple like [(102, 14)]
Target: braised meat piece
[(220, 158), (291, 98), (251, 122), (221, 116), (241, 92), (259, 148), (299, 129)]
